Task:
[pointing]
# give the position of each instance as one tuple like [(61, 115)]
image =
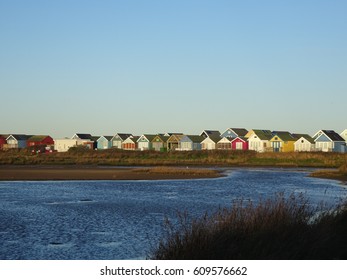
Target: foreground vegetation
[(78, 156), (282, 228)]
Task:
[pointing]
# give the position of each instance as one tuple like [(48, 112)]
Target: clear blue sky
[(110, 66)]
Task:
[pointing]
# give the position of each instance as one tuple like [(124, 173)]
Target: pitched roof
[(196, 138), (210, 133), (305, 136), (123, 136), (331, 134), (214, 138), (284, 135), (83, 136), (172, 133), (20, 136), (175, 138), (38, 138), (132, 138), (238, 131), (228, 139), (162, 137), (149, 137), (244, 139), (108, 138), (343, 134), (263, 134)]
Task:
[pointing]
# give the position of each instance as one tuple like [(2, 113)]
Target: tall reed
[(279, 228)]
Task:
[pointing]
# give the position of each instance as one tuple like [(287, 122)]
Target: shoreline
[(95, 172), (67, 173), (332, 175)]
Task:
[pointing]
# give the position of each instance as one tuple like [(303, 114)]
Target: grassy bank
[(339, 174), (274, 229), (203, 158)]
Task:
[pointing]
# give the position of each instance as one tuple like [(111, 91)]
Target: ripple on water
[(59, 245), (87, 200), (101, 232), (110, 244)]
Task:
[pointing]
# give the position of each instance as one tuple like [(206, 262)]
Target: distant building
[(208, 133), (239, 143), (85, 139), (173, 142), (282, 141), (82, 136), (118, 139), (159, 142), (78, 139), (17, 141), (305, 143), (172, 133), (234, 132), (210, 143), (329, 141), (104, 142), (3, 141), (344, 135), (259, 140), (224, 143), (40, 140), (145, 142), (63, 145), (190, 143), (130, 143)]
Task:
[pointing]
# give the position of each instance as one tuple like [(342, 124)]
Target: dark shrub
[(282, 228)]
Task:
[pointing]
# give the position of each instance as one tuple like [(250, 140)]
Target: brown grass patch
[(339, 174), (280, 228)]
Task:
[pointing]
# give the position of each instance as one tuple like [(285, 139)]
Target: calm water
[(123, 219)]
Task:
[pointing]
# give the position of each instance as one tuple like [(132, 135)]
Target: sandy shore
[(47, 173)]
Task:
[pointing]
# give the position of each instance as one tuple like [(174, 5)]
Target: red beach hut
[(239, 143)]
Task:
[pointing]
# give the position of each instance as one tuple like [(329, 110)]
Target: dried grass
[(188, 158), (281, 228)]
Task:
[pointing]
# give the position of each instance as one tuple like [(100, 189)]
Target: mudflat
[(48, 173)]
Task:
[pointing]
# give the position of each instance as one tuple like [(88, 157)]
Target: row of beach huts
[(231, 139)]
